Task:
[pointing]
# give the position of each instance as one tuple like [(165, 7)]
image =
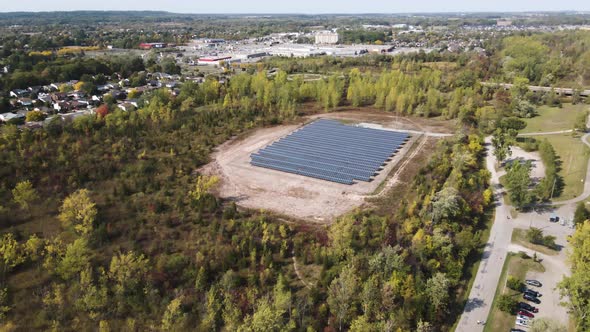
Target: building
[(214, 60), (149, 46), (326, 37), (503, 23)]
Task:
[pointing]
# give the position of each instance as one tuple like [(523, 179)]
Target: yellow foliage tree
[(202, 187), (78, 210)]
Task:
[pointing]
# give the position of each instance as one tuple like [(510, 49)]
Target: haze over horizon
[(302, 6)]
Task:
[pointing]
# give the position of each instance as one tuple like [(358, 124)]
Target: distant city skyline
[(300, 6)]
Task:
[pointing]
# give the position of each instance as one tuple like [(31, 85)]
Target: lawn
[(554, 118), (519, 237), (573, 155), (518, 267)]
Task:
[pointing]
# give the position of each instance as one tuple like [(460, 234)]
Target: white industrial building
[(326, 37)]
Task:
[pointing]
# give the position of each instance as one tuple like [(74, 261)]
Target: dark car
[(531, 298), (533, 283), (527, 307), (517, 330), (532, 293), (525, 313)]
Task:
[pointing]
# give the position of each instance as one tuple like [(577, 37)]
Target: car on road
[(522, 322), (526, 313), (535, 283), (527, 307), (532, 292), (517, 330), (531, 298), (553, 218)]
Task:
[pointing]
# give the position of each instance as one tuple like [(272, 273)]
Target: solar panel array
[(332, 151)]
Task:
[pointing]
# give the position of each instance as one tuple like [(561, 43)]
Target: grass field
[(518, 267), (555, 118), (519, 237), (574, 160)]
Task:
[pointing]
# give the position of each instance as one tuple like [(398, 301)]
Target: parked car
[(531, 298), (527, 307), (532, 293), (522, 322), (553, 218), (526, 313), (517, 330), (521, 317), (533, 283)]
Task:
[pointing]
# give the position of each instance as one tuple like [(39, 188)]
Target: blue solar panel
[(332, 151)]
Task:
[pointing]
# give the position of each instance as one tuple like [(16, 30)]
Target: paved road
[(488, 275), (490, 268), (547, 133)]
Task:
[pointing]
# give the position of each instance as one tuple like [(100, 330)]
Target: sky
[(298, 6)]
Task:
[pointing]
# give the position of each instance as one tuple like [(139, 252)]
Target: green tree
[(4, 307), (79, 211), (518, 182), (501, 143), (446, 204), (437, 289), (341, 295), (174, 317), (581, 214), (11, 252), (507, 303), (581, 122), (514, 283), (24, 194), (265, 318), (76, 258), (576, 288), (128, 270)]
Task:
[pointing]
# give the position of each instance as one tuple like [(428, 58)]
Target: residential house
[(26, 102), (18, 93), (12, 117), (62, 106), (126, 107)]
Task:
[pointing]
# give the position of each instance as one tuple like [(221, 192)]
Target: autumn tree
[(102, 110), (34, 116), (203, 186), (78, 211)]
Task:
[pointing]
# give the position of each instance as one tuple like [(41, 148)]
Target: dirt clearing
[(289, 194)]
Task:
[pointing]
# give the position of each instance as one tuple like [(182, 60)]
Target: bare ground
[(290, 194)]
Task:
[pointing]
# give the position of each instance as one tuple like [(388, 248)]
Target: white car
[(522, 317), (522, 322)]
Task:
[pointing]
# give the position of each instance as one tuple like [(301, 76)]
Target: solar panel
[(332, 151)]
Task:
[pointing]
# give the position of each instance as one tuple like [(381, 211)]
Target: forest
[(107, 224)]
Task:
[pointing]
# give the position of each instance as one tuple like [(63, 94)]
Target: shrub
[(507, 303), (514, 283)]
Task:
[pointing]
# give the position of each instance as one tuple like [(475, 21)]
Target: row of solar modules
[(331, 151)]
